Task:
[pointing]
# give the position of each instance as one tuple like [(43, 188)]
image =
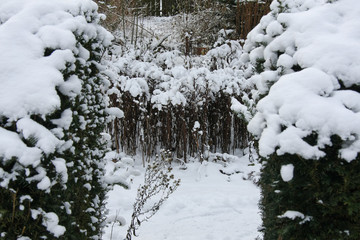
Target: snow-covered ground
[(207, 205)]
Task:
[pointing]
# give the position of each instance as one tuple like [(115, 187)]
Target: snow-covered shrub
[(166, 99), (52, 114), (303, 62), (225, 54)]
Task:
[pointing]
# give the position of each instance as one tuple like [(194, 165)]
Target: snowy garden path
[(207, 205)]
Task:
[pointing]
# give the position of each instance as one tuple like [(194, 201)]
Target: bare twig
[(159, 183)]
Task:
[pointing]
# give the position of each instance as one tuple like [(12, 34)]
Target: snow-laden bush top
[(164, 80), (307, 56), (29, 74), (49, 65), (28, 29)]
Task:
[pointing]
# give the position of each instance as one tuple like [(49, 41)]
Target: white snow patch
[(71, 87), (23, 238), (292, 215), (44, 184), (196, 126), (65, 120), (61, 169), (295, 214), (203, 207), (12, 146), (239, 108), (45, 139), (287, 172), (51, 222), (116, 112)]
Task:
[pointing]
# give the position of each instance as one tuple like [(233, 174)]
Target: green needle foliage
[(325, 191)]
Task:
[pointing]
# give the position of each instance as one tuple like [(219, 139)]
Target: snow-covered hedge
[(327, 54), (52, 106), (166, 97), (306, 77)]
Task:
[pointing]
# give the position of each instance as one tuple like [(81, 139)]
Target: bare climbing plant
[(159, 183)]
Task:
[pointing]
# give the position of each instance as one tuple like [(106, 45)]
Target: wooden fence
[(248, 15)]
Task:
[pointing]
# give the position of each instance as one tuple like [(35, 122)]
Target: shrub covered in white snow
[(304, 58), (52, 106), (162, 97)]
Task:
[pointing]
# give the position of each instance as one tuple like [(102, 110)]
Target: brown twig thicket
[(148, 129), (148, 126)]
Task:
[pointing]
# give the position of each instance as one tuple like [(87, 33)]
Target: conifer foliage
[(305, 98), (52, 115)]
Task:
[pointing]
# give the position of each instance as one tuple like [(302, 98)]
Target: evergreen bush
[(302, 123), (325, 191), (51, 172)]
